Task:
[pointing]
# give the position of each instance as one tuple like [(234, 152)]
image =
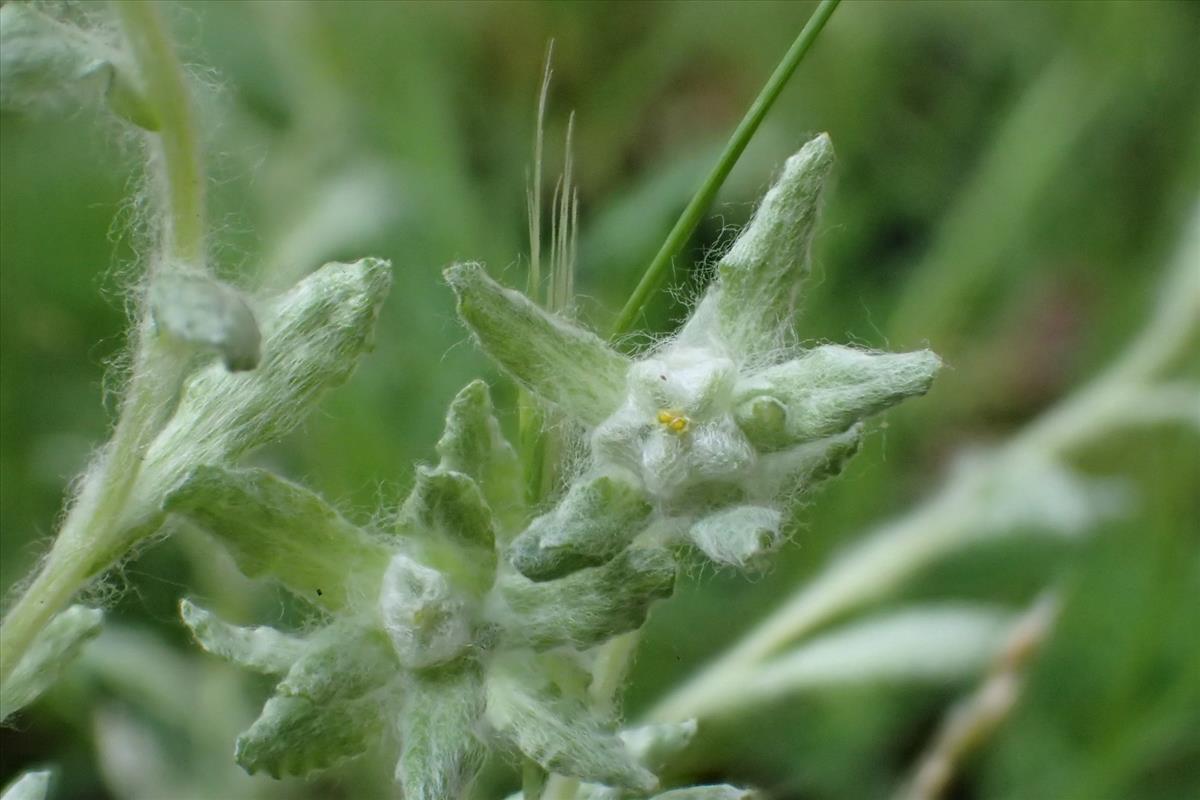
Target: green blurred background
[(1012, 178)]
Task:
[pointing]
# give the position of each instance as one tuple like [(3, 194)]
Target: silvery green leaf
[(205, 313), (473, 444), (30, 786), (450, 528), (283, 531), (741, 536), (52, 650), (556, 360), (552, 724), (441, 750), (749, 310), (295, 736), (428, 620), (343, 661), (261, 648), (1032, 491), (786, 475), (825, 391), (716, 792), (596, 519), (312, 338), (589, 606), (655, 745), (43, 61), (936, 643)]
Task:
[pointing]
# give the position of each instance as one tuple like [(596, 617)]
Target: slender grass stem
[(655, 273), (613, 660)]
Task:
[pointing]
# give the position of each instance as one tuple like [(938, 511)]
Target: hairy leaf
[(280, 530), (590, 606), (54, 648), (261, 648), (556, 360)]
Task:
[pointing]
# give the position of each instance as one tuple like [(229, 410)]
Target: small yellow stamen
[(675, 421)]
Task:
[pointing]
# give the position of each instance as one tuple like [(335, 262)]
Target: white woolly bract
[(427, 620)]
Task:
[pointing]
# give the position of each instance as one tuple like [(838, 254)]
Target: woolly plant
[(482, 618), (462, 628)]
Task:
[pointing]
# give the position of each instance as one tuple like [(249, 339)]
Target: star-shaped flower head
[(719, 429), (432, 637)]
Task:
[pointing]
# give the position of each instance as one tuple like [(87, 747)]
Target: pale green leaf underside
[(281, 530), (55, 647)]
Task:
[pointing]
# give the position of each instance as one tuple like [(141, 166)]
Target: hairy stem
[(177, 146), (653, 277), (95, 533)]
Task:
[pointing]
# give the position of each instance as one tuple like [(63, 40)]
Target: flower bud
[(827, 390), (428, 621)]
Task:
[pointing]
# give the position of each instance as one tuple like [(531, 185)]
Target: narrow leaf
[(595, 521), (590, 606), (441, 750), (555, 727), (556, 360), (260, 648), (827, 390), (919, 644), (716, 792), (295, 736), (473, 444), (342, 662), (52, 651), (280, 530), (451, 528), (312, 338), (750, 309)]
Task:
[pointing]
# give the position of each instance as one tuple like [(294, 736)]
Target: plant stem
[(974, 719), (653, 277), (165, 88), (95, 532)]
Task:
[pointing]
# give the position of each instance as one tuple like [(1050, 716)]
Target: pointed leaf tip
[(558, 361), (262, 649), (751, 307)]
